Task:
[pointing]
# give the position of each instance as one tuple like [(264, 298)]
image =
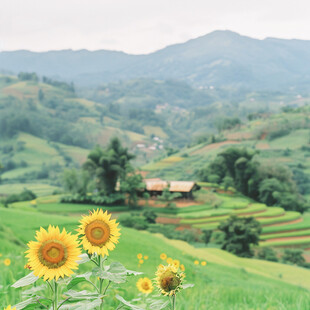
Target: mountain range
[(218, 59)]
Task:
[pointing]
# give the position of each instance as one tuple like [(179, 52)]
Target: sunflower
[(54, 254), (168, 280), (196, 262), (139, 256), (182, 267), (7, 262), (99, 233), (163, 256), (10, 308), (169, 260), (145, 286), (204, 263)]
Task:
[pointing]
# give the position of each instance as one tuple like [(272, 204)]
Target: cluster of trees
[(41, 124), (108, 174), (239, 234), (227, 123), (63, 85), (272, 185), (26, 76)]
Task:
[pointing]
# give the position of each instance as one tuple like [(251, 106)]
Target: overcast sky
[(143, 26)]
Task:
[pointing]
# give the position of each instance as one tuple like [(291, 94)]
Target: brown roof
[(181, 186), (155, 185), (175, 186)]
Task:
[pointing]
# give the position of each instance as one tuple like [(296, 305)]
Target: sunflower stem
[(49, 284), (56, 296), (173, 302)]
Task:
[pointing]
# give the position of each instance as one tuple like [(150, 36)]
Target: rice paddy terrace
[(279, 227)]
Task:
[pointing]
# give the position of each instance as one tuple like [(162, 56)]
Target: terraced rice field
[(279, 227)]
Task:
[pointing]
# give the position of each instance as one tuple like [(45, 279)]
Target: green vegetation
[(239, 234)]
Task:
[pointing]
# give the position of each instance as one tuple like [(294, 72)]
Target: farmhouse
[(155, 187)]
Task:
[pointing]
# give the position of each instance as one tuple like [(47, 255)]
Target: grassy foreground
[(227, 282)]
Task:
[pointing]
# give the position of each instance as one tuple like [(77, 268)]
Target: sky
[(143, 26)]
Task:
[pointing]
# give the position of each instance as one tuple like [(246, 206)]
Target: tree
[(108, 165), (240, 234), (40, 95), (131, 185), (293, 256), (77, 182), (267, 190)]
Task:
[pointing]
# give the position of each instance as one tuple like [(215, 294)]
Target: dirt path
[(285, 223), (167, 220), (289, 238)]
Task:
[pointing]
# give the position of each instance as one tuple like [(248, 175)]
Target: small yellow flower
[(7, 262), (145, 286), (139, 256), (182, 267), (204, 263), (10, 308), (146, 257), (169, 260), (163, 256), (176, 264), (141, 261), (196, 262)]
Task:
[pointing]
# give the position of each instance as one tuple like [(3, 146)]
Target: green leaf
[(133, 273), (158, 304), (25, 303), (128, 304), (115, 272), (82, 295), (185, 286), (78, 279), (27, 280), (84, 258), (82, 305), (33, 290)]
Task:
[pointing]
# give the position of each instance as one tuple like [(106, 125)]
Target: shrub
[(133, 221), (293, 256), (23, 196), (150, 216), (267, 254)]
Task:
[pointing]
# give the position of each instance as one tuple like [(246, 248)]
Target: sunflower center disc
[(52, 254), (97, 233), (145, 286)]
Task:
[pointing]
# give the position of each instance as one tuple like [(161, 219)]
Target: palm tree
[(108, 165)]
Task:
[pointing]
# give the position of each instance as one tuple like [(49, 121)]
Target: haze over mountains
[(220, 58)]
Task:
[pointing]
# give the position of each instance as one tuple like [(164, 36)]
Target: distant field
[(38, 188)]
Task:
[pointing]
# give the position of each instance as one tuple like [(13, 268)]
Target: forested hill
[(221, 58)]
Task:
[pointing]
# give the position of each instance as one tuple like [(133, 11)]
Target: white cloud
[(142, 26)]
